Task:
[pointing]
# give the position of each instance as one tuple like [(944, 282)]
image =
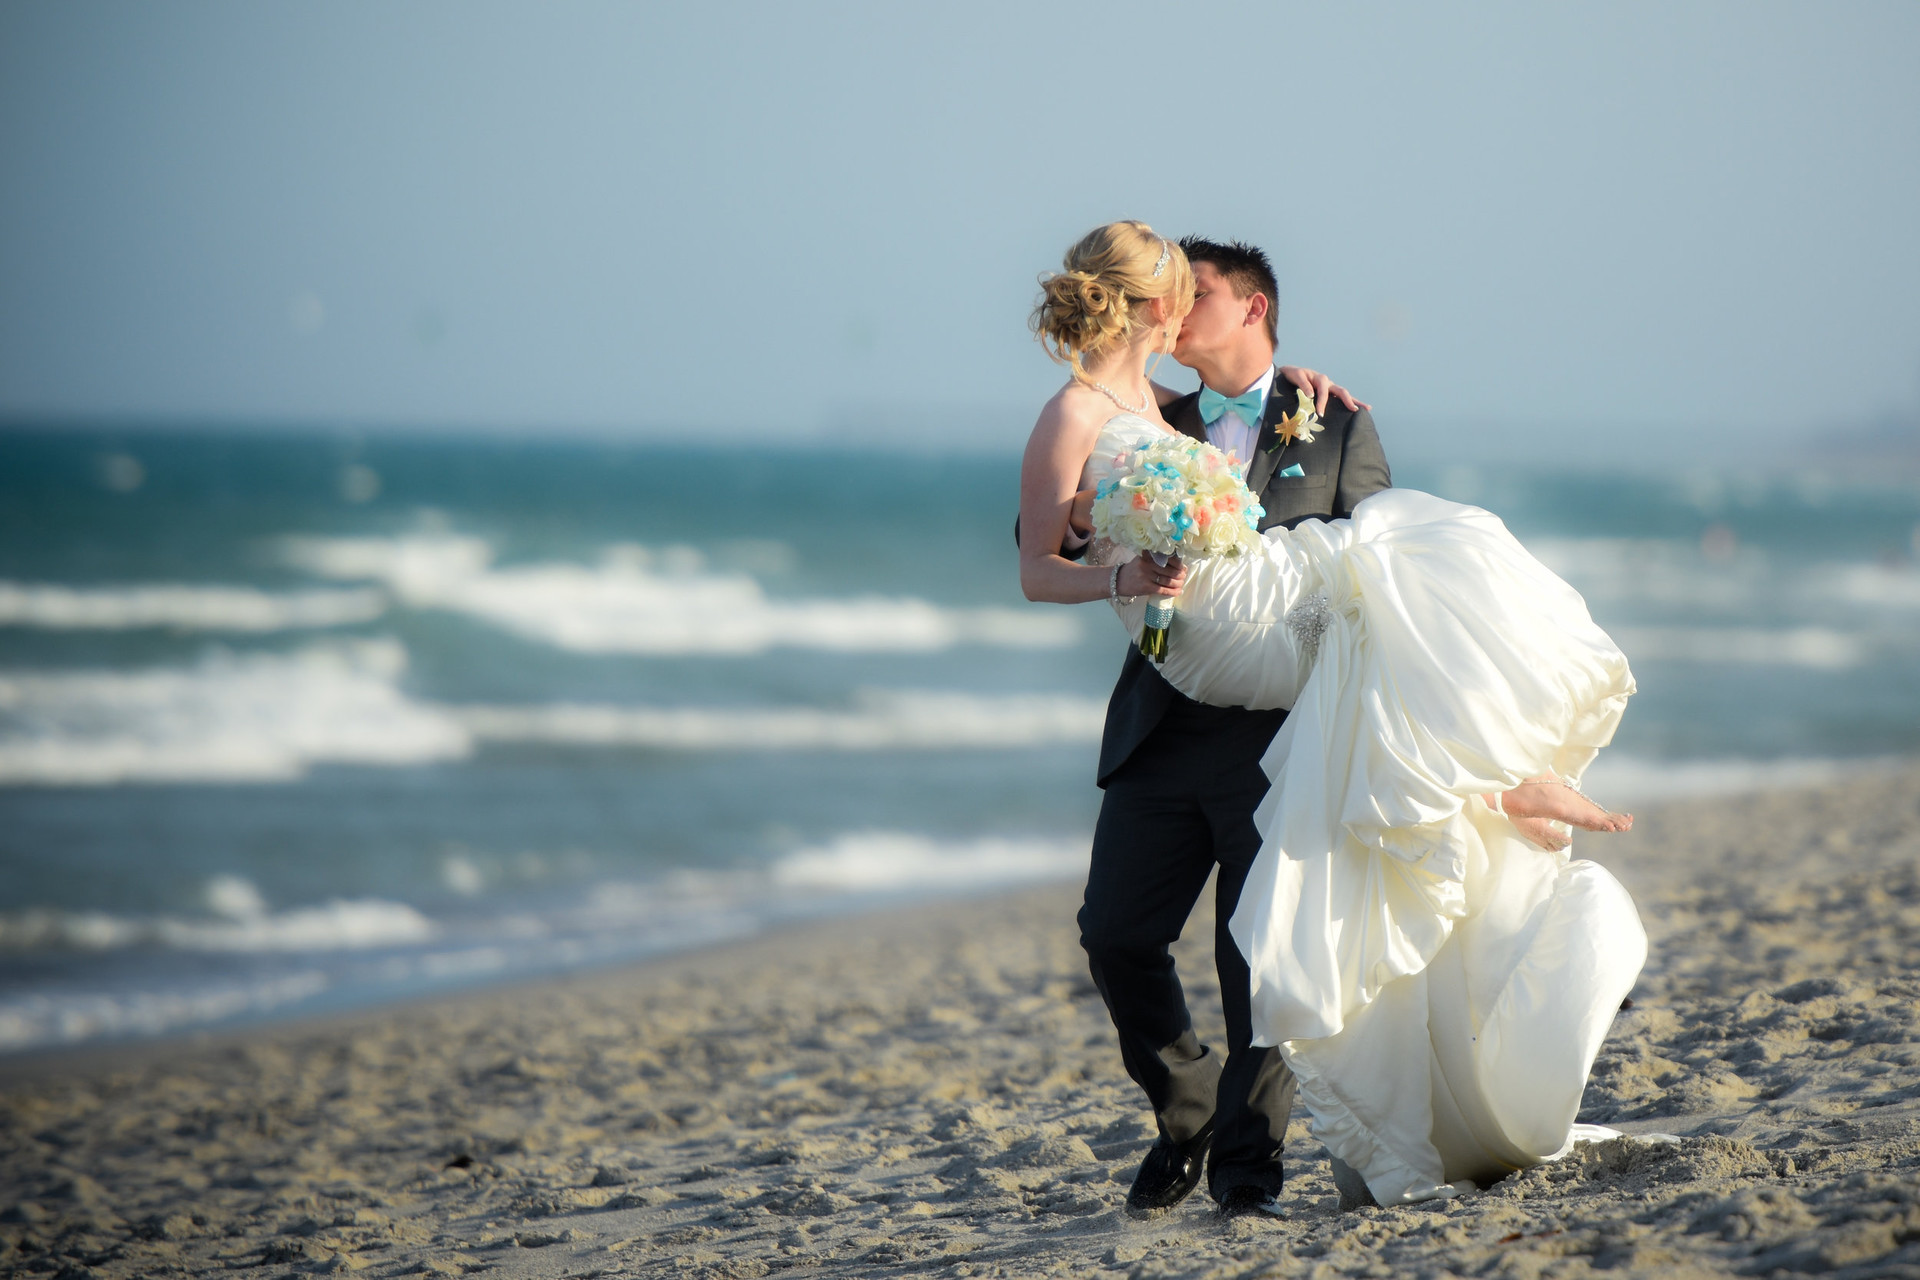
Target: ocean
[(293, 723)]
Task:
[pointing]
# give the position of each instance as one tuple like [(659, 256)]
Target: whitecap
[(341, 924), (263, 717), (69, 1017), (1674, 573), (182, 606), (357, 924), (1821, 648), (1884, 586), (661, 602), (1656, 571), (1622, 779), (892, 860), (879, 720), (230, 718)]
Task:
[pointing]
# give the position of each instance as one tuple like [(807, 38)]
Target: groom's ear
[(1257, 307)]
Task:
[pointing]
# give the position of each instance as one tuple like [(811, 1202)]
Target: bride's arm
[(1314, 383), (1057, 452)]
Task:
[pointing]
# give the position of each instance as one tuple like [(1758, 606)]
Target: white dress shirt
[(1230, 434)]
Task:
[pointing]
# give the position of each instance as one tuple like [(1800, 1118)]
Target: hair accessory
[(1166, 251)]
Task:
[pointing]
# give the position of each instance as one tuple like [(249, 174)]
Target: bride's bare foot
[(1539, 806)]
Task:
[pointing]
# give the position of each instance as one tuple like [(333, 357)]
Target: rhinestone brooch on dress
[(1308, 621)]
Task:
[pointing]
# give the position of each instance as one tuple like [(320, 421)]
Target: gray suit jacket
[(1343, 464)]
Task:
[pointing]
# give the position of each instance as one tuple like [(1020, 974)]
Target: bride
[(1434, 968)]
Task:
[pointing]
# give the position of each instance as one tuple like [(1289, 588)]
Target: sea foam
[(1619, 780), (254, 717), (183, 606), (879, 719), (1676, 573), (67, 1017), (1821, 648), (641, 601), (892, 860), (272, 717), (1660, 571), (338, 925)]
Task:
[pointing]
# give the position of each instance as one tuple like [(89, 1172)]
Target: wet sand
[(936, 1091)]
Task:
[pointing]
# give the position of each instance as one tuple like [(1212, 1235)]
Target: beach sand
[(937, 1091)]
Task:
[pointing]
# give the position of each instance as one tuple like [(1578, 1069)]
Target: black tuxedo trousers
[(1181, 804)]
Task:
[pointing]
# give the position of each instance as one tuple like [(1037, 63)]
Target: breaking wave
[(1673, 572), (182, 606), (1620, 780), (237, 919), (878, 720), (231, 718), (46, 1018), (1822, 648), (641, 601), (891, 860), (339, 925), (273, 717)]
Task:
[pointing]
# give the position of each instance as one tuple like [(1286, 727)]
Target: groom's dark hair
[(1245, 267)]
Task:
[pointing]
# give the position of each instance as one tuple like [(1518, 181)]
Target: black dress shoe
[(1169, 1173), (1243, 1200)]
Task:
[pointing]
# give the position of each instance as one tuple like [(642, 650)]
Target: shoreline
[(25, 1065), (763, 915), (936, 1091)]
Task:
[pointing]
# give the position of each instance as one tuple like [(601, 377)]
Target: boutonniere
[(1301, 424)]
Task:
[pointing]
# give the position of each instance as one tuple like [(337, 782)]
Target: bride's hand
[(1140, 576), (1321, 387), (1080, 514)]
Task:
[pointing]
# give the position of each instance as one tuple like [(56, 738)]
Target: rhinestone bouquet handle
[(1153, 639)]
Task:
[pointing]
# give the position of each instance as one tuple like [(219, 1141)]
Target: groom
[(1182, 779)]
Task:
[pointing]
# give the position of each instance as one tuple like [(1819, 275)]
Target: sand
[(936, 1091)]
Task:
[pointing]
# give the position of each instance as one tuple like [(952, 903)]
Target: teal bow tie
[(1248, 406)]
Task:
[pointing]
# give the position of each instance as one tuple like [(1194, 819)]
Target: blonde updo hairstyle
[(1097, 301)]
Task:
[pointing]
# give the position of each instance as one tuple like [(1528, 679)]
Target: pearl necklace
[(1114, 396)]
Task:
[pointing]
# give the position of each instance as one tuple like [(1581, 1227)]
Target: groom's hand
[(1080, 514), (1140, 576)]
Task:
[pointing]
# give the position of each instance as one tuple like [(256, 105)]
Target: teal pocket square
[(1293, 470)]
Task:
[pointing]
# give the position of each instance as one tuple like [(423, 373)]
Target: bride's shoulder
[(1074, 411)]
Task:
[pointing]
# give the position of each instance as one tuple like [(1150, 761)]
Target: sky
[(1623, 223)]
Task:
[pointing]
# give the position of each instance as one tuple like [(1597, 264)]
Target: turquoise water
[(296, 722)]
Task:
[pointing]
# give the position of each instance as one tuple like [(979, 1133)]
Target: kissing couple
[(1370, 730)]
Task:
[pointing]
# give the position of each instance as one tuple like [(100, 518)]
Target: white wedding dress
[(1439, 984)]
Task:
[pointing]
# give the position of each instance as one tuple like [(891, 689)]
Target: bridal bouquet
[(1175, 496)]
